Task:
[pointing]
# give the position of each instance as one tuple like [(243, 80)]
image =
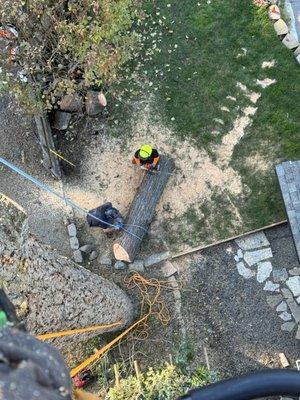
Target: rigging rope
[(57, 194)]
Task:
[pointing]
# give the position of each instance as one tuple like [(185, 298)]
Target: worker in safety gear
[(146, 158), (107, 217)]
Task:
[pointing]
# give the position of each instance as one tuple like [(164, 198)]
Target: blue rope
[(57, 194)]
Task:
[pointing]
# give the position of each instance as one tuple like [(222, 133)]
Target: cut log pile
[(142, 211)]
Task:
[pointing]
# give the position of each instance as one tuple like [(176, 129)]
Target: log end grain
[(120, 253)]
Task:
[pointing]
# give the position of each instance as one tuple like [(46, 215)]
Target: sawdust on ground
[(108, 174)]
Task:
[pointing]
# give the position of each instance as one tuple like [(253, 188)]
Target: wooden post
[(117, 376), (142, 211), (50, 160), (137, 369)]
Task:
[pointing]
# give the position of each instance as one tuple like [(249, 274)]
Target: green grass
[(196, 68)]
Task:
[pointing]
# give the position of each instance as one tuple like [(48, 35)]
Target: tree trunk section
[(142, 211), (52, 293)]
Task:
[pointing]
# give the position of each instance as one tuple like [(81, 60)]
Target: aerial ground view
[(150, 199)]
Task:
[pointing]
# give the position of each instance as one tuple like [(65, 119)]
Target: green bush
[(166, 383), (66, 46)]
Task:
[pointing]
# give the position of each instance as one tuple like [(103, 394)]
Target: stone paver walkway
[(289, 179), (254, 259)]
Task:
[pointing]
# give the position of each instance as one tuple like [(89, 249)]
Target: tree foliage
[(65, 46)]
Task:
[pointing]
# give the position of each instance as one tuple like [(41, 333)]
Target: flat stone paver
[(281, 307), (271, 287), (264, 270), (288, 174), (253, 257), (274, 300), (293, 284), (245, 272), (253, 241), (280, 275)]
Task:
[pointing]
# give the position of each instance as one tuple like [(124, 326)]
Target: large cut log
[(142, 211)]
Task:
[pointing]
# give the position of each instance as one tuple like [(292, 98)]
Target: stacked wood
[(142, 211)]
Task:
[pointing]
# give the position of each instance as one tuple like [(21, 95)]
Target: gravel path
[(230, 315), (18, 145)]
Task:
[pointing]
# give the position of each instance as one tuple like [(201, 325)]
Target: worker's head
[(145, 152)]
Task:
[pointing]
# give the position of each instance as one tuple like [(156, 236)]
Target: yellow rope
[(53, 335), (60, 156), (104, 349)]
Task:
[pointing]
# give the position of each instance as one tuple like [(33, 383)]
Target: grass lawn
[(193, 56)]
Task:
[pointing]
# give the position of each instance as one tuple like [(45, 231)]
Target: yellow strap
[(60, 156), (53, 335), (104, 349), (82, 395)]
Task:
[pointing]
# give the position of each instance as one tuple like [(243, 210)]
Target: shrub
[(166, 383), (66, 45)]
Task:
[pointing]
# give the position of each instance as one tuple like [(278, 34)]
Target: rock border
[(282, 30)]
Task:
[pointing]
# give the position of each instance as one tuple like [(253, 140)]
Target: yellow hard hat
[(145, 151)]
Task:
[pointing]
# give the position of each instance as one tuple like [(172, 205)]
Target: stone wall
[(51, 292)]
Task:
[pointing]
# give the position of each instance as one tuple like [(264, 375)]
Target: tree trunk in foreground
[(50, 292), (142, 211)]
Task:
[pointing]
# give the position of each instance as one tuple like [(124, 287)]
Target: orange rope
[(151, 305), (104, 349), (53, 335)]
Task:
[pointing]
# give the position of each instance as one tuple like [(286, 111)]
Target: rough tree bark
[(50, 292), (142, 211)]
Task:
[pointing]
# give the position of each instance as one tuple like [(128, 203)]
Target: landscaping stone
[(281, 307), (71, 103), (137, 265), (264, 270), (253, 241), (168, 269), (280, 275), (274, 13), (120, 265), (287, 294), (92, 104), (244, 271), (293, 284), (177, 294), (297, 51), (298, 333), (74, 243), (61, 120), (236, 258), (288, 326), (285, 316), (298, 59), (104, 260), (281, 27), (294, 271), (77, 256), (240, 253), (156, 258), (271, 287), (290, 41), (87, 248), (174, 282), (298, 300), (72, 231), (295, 309), (93, 255), (253, 257), (274, 300)]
